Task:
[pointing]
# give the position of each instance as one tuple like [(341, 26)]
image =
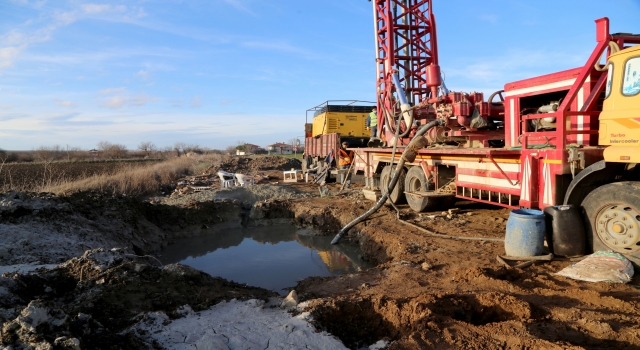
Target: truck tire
[(397, 195), (612, 219), (416, 180)]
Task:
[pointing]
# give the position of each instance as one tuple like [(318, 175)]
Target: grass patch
[(136, 180)]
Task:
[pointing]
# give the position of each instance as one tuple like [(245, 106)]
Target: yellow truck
[(333, 122), (611, 187)]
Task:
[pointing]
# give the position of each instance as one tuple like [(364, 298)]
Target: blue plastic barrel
[(525, 233)]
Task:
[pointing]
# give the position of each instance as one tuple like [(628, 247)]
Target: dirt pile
[(89, 301), (435, 293), (248, 195), (251, 165)]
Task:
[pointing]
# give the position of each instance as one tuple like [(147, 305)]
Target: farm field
[(37, 176)]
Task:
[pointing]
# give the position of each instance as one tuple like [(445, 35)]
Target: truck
[(334, 122), (569, 137)]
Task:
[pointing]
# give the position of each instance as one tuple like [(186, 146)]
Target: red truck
[(533, 144)]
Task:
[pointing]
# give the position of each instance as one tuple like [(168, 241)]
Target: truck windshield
[(631, 79)]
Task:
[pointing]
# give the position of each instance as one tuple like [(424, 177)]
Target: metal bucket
[(525, 233)]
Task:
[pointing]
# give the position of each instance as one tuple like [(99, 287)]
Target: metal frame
[(405, 34)]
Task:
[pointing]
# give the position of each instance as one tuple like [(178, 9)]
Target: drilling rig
[(569, 137)]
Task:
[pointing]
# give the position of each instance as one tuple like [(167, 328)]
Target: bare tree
[(243, 147), (47, 154), (147, 147), (178, 147), (112, 150), (167, 150), (192, 147)]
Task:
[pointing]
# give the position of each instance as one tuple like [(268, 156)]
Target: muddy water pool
[(272, 257)]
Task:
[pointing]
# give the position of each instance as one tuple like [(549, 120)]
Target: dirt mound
[(89, 300), (250, 194), (251, 165)]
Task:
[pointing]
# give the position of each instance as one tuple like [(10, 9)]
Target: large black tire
[(612, 219), (416, 180), (397, 194)]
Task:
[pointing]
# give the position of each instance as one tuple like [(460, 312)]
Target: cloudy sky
[(217, 72)]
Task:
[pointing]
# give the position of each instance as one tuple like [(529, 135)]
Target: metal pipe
[(409, 154), (405, 108)]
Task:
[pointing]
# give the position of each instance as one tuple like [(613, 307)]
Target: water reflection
[(272, 257)]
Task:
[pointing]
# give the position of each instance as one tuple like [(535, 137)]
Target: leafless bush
[(147, 147), (112, 150)]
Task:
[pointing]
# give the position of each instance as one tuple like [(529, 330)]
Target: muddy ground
[(425, 292)]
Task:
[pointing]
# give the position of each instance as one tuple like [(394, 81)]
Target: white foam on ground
[(236, 325)]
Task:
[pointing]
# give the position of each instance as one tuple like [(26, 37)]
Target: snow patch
[(235, 325)]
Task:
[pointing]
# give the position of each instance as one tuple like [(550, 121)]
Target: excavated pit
[(273, 257)]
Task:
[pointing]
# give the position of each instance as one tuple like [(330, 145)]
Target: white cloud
[(141, 100), (120, 100), (240, 7), (195, 102), (142, 74), (491, 18), (114, 102), (7, 56), (112, 91), (102, 8), (15, 41), (65, 103)]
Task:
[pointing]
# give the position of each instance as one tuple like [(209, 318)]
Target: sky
[(218, 72)]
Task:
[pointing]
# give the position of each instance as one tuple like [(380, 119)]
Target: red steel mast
[(406, 43)]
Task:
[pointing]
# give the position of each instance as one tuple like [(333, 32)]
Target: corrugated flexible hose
[(409, 154)]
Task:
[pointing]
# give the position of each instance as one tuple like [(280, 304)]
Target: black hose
[(409, 154)]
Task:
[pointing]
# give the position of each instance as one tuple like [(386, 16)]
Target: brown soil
[(431, 292), (254, 164), (425, 292)]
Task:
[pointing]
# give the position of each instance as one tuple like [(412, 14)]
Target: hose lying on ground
[(491, 239), (409, 154)]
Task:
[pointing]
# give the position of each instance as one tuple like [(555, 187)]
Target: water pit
[(272, 257)]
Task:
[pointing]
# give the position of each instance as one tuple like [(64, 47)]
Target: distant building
[(248, 148), (280, 148), (252, 148)]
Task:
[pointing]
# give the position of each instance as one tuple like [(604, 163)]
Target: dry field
[(133, 177)]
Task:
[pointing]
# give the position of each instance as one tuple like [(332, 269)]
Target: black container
[(565, 230)]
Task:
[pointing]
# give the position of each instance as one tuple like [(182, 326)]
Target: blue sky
[(221, 71)]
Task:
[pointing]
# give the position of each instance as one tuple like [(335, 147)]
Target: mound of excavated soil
[(251, 165), (249, 194), (90, 301)]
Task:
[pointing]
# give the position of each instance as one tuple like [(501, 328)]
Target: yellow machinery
[(620, 117), (348, 120), (610, 188)]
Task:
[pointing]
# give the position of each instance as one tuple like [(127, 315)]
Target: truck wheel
[(416, 180), (612, 219), (397, 195)]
